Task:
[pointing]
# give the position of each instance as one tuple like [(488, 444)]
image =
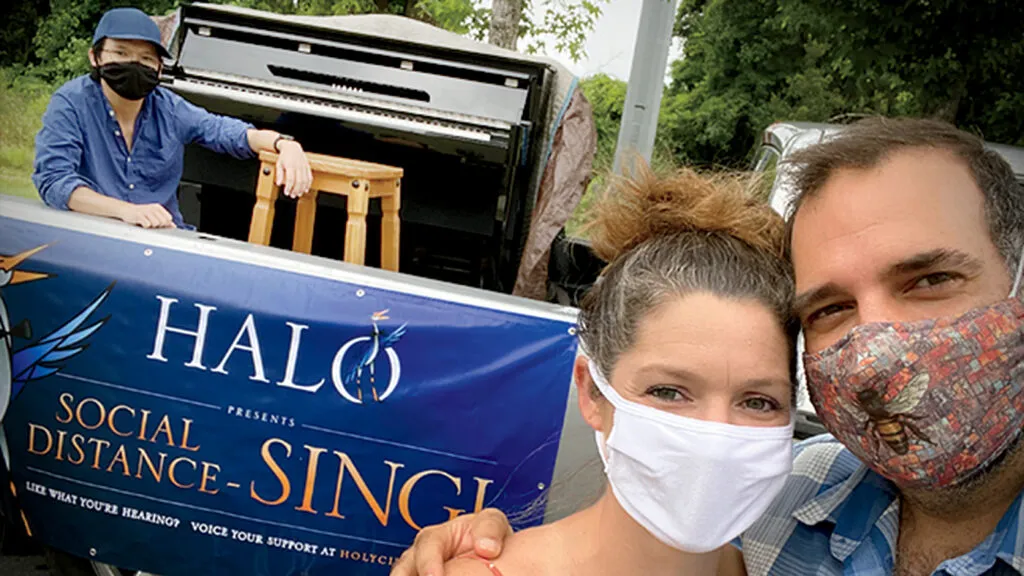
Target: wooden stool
[(356, 180)]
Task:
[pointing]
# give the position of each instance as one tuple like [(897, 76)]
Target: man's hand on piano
[(147, 215), (293, 171)]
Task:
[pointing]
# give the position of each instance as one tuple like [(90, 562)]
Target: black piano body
[(467, 127)]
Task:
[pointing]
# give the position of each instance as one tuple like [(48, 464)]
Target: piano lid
[(372, 28), (422, 69)]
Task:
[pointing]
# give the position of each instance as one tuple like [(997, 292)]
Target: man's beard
[(981, 485)]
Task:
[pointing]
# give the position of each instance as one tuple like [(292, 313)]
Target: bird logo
[(9, 276), (364, 373), (44, 357)]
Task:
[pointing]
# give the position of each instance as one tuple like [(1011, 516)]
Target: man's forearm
[(293, 169), (260, 140), (89, 201)]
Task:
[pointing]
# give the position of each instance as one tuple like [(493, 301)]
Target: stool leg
[(355, 230), (390, 226), (305, 218), (263, 212)]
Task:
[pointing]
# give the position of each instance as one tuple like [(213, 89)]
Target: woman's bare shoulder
[(525, 552), (467, 567)]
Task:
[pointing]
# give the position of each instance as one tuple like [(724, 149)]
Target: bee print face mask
[(929, 403)]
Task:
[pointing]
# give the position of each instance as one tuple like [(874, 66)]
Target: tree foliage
[(18, 22), (562, 25), (748, 63)]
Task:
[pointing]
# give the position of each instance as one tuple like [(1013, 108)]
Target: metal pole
[(646, 81)]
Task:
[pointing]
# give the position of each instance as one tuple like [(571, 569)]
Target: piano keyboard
[(376, 116)]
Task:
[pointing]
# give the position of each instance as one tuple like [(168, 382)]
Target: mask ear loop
[(1020, 271)]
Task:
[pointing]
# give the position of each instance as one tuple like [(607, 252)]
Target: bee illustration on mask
[(891, 421)]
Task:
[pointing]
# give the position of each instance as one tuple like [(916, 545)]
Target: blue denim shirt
[(81, 144)]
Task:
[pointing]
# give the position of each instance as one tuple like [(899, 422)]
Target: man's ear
[(93, 60), (591, 403)]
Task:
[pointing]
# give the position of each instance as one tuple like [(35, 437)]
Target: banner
[(184, 413)]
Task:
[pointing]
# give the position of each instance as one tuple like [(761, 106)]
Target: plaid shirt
[(837, 517)]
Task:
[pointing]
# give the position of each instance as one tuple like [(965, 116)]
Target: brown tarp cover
[(570, 147), (565, 178)]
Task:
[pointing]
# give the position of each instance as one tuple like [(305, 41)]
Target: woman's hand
[(483, 534)]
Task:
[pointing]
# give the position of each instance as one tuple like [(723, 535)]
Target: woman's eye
[(667, 394), (760, 404)]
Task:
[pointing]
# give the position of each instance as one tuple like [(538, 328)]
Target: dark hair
[(672, 236), (94, 72), (867, 143)]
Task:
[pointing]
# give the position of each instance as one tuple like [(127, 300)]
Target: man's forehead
[(137, 46), (913, 201)]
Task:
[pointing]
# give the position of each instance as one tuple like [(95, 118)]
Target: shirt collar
[(854, 507), (1007, 542), (865, 500), (1004, 543)]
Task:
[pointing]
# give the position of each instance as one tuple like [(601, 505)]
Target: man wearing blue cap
[(112, 142)]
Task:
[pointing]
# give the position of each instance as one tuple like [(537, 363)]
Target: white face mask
[(694, 485)]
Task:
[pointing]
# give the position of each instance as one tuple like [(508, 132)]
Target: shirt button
[(117, 132), (131, 186), (129, 159), (111, 112)]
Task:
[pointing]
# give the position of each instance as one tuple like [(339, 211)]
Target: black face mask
[(130, 80)]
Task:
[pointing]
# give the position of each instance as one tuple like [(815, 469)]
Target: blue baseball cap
[(129, 24)]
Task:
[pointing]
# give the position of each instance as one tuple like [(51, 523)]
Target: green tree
[(18, 22), (748, 63), (62, 39), (563, 24)]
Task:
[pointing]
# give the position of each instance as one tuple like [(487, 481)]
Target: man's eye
[(667, 394), (933, 280), (761, 404), (824, 312)]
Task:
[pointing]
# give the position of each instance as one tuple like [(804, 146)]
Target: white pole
[(646, 81)]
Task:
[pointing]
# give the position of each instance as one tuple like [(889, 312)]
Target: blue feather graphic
[(42, 358), (385, 342), (394, 337)]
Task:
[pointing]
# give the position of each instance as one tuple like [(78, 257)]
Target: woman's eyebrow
[(757, 383), (671, 371)]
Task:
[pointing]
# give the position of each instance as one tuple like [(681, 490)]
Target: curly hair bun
[(633, 210)]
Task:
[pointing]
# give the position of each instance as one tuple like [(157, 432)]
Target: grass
[(23, 100), (17, 184)]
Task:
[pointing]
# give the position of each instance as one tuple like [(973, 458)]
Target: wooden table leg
[(305, 218), (263, 212), (355, 230), (390, 228)]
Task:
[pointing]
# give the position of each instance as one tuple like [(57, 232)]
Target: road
[(23, 566)]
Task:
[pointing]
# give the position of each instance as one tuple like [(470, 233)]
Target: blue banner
[(185, 414)]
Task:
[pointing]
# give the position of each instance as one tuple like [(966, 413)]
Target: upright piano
[(464, 120)]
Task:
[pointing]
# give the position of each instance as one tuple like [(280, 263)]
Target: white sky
[(610, 45)]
